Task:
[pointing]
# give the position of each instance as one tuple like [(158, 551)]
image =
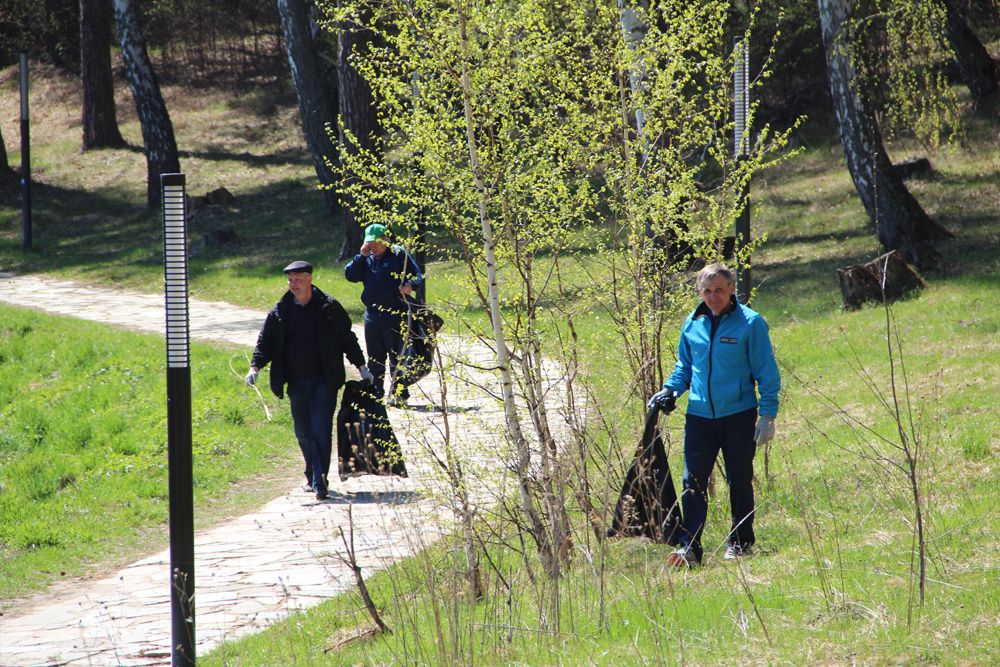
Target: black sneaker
[(322, 494)]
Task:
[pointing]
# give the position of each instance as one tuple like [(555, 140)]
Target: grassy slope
[(83, 452), (857, 515)]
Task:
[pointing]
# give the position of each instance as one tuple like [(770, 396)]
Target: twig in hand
[(267, 413)]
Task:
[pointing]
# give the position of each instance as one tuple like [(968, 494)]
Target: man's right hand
[(251, 377), (366, 249), (665, 400)]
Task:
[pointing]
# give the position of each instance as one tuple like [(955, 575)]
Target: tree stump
[(864, 282), (220, 197), (917, 168)]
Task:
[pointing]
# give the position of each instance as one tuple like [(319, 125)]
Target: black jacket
[(336, 340)]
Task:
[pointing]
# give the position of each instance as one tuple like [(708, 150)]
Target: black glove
[(665, 400)]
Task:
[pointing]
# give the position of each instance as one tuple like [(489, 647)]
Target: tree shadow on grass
[(819, 237), (972, 254), (283, 158), (76, 228)]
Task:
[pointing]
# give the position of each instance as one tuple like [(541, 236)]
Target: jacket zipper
[(713, 327)]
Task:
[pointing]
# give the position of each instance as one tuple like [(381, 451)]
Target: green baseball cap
[(374, 233)]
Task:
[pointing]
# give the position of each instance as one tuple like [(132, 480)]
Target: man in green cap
[(390, 275)]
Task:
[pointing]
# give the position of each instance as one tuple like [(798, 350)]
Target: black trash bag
[(366, 443), (648, 503), (416, 357)]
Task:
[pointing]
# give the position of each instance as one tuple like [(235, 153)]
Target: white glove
[(366, 375), (764, 431), (251, 377)]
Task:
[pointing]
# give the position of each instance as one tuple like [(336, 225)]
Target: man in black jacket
[(305, 339)]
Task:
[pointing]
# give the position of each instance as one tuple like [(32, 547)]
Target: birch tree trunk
[(157, 130), (317, 99), (357, 113), (100, 120), (635, 31), (899, 220), (974, 62), (523, 465)]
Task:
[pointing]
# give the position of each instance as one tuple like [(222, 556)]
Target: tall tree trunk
[(6, 171), (974, 62), (357, 113), (157, 130), (317, 102), (899, 220), (100, 121)]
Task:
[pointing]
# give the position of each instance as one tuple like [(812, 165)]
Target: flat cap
[(299, 265)]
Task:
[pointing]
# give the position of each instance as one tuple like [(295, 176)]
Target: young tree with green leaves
[(511, 127)]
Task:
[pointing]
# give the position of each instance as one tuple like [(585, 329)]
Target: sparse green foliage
[(900, 51), (514, 130)]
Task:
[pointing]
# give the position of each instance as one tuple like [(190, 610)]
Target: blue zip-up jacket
[(726, 366), (382, 277)]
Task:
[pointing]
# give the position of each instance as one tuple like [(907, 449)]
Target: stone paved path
[(257, 568)]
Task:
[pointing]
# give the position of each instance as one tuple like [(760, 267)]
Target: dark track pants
[(382, 343), (313, 403), (703, 439)]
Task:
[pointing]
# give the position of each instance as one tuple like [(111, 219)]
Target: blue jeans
[(312, 413), (382, 342), (703, 439)]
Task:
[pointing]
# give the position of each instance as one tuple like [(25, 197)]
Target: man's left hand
[(406, 289), (366, 375), (764, 431)]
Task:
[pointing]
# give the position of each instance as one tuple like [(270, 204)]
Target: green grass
[(843, 599), (83, 445)]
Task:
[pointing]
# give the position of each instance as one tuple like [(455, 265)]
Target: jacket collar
[(704, 311)]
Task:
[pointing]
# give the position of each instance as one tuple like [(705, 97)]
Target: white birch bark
[(523, 463)]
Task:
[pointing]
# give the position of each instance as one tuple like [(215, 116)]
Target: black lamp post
[(25, 158), (175, 278), (741, 148)]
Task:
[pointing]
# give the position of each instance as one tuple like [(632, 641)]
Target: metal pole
[(25, 158), (175, 274), (741, 148)]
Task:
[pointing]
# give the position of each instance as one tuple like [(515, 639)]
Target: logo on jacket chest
[(729, 339)]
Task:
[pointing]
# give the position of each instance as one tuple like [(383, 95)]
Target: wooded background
[(826, 58)]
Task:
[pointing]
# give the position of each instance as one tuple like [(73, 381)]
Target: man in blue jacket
[(725, 358), (389, 275)]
